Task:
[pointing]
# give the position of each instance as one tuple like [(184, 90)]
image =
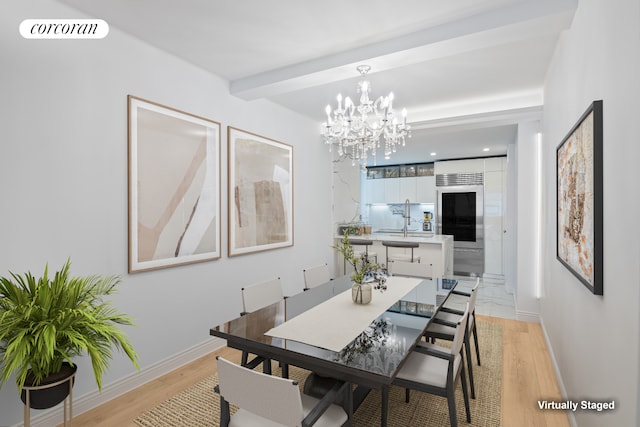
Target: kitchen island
[(434, 249)]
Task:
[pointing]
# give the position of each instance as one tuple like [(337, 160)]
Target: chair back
[(260, 295), (277, 399), (410, 269), (458, 337), (316, 276), (474, 295)]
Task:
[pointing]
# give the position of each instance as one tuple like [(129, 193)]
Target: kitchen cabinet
[(426, 189), (459, 166), (406, 190), (391, 190), (494, 204), (375, 190)]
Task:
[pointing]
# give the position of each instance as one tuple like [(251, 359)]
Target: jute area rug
[(199, 405)]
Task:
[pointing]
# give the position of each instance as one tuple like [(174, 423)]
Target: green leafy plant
[(364, 271), (44, 322)]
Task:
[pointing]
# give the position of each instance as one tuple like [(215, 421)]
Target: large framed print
[(579, 197), (260, 193), (174, 187)]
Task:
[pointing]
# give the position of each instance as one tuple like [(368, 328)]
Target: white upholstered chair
[(268, 401), (315, 276), (259, 295), (255, 297), (442, 327), (435, 369)]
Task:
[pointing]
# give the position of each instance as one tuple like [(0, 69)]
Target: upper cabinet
[(460, 166), (426, 189), (397, 183)]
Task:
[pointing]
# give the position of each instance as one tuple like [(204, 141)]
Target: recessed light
[(433, 154), (485, 149)]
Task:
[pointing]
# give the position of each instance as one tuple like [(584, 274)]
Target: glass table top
[(378, 350)]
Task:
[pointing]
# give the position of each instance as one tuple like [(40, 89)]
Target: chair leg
[(407, 393), (225, 414), (475, 339), (451, 399), (467, 349), (348, 403), (245, 358), (465, 395)]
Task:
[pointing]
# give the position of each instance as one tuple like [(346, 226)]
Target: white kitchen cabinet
[(407, 189), (391, 190), (493, 164), (375, 191), (494, 185), (426, 189), (396, 190), (459, 166)]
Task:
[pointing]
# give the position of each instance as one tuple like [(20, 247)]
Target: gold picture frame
[(260, 193), (174, 187)]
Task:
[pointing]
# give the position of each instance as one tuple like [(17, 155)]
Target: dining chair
[(443, 327), (255, 297), (259, 295), (315, 276), (434, 369), (265, 400), (411, 269), (450, 314)]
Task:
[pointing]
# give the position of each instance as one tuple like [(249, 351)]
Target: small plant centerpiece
[(366, 275), (45, 322)]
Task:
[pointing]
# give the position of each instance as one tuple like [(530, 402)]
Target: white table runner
[(336, 322)]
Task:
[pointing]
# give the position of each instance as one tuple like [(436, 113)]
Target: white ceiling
[(469, 65)]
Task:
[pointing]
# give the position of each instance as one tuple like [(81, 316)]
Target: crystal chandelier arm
[(359, 130)]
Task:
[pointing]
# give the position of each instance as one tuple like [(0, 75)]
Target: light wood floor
[(528, 375)]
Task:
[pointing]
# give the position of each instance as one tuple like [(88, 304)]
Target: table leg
[(385, 405)]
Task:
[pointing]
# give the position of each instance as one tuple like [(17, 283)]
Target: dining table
[(323, 331)]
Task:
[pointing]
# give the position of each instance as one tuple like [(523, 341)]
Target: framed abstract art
[(174, 187), (579, 197), (260, 193)]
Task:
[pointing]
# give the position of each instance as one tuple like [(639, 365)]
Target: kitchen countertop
[(434, 239)]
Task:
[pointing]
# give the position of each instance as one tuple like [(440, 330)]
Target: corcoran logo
[(64, 29)]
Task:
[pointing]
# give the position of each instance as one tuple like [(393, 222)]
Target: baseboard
[(94, 399), (556, 368), (527, 316)]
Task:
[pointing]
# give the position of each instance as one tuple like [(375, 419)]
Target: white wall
[(595, 339), (63, 183), (527, 307)]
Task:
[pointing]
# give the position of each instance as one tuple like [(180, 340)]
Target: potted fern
[(46, 322)]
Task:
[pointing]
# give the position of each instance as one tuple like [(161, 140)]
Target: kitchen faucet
[(406, 216)]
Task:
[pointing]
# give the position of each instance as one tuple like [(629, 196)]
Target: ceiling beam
[(522, 20)]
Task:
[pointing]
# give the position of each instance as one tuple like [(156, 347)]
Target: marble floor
[(493, 299)]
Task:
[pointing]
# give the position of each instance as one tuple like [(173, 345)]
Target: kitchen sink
[(395, 230)]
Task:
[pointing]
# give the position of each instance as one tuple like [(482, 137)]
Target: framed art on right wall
[(579, 198)]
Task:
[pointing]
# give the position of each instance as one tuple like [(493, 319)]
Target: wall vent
[(448, 179)]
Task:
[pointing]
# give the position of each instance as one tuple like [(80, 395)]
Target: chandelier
[(359, 131)]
